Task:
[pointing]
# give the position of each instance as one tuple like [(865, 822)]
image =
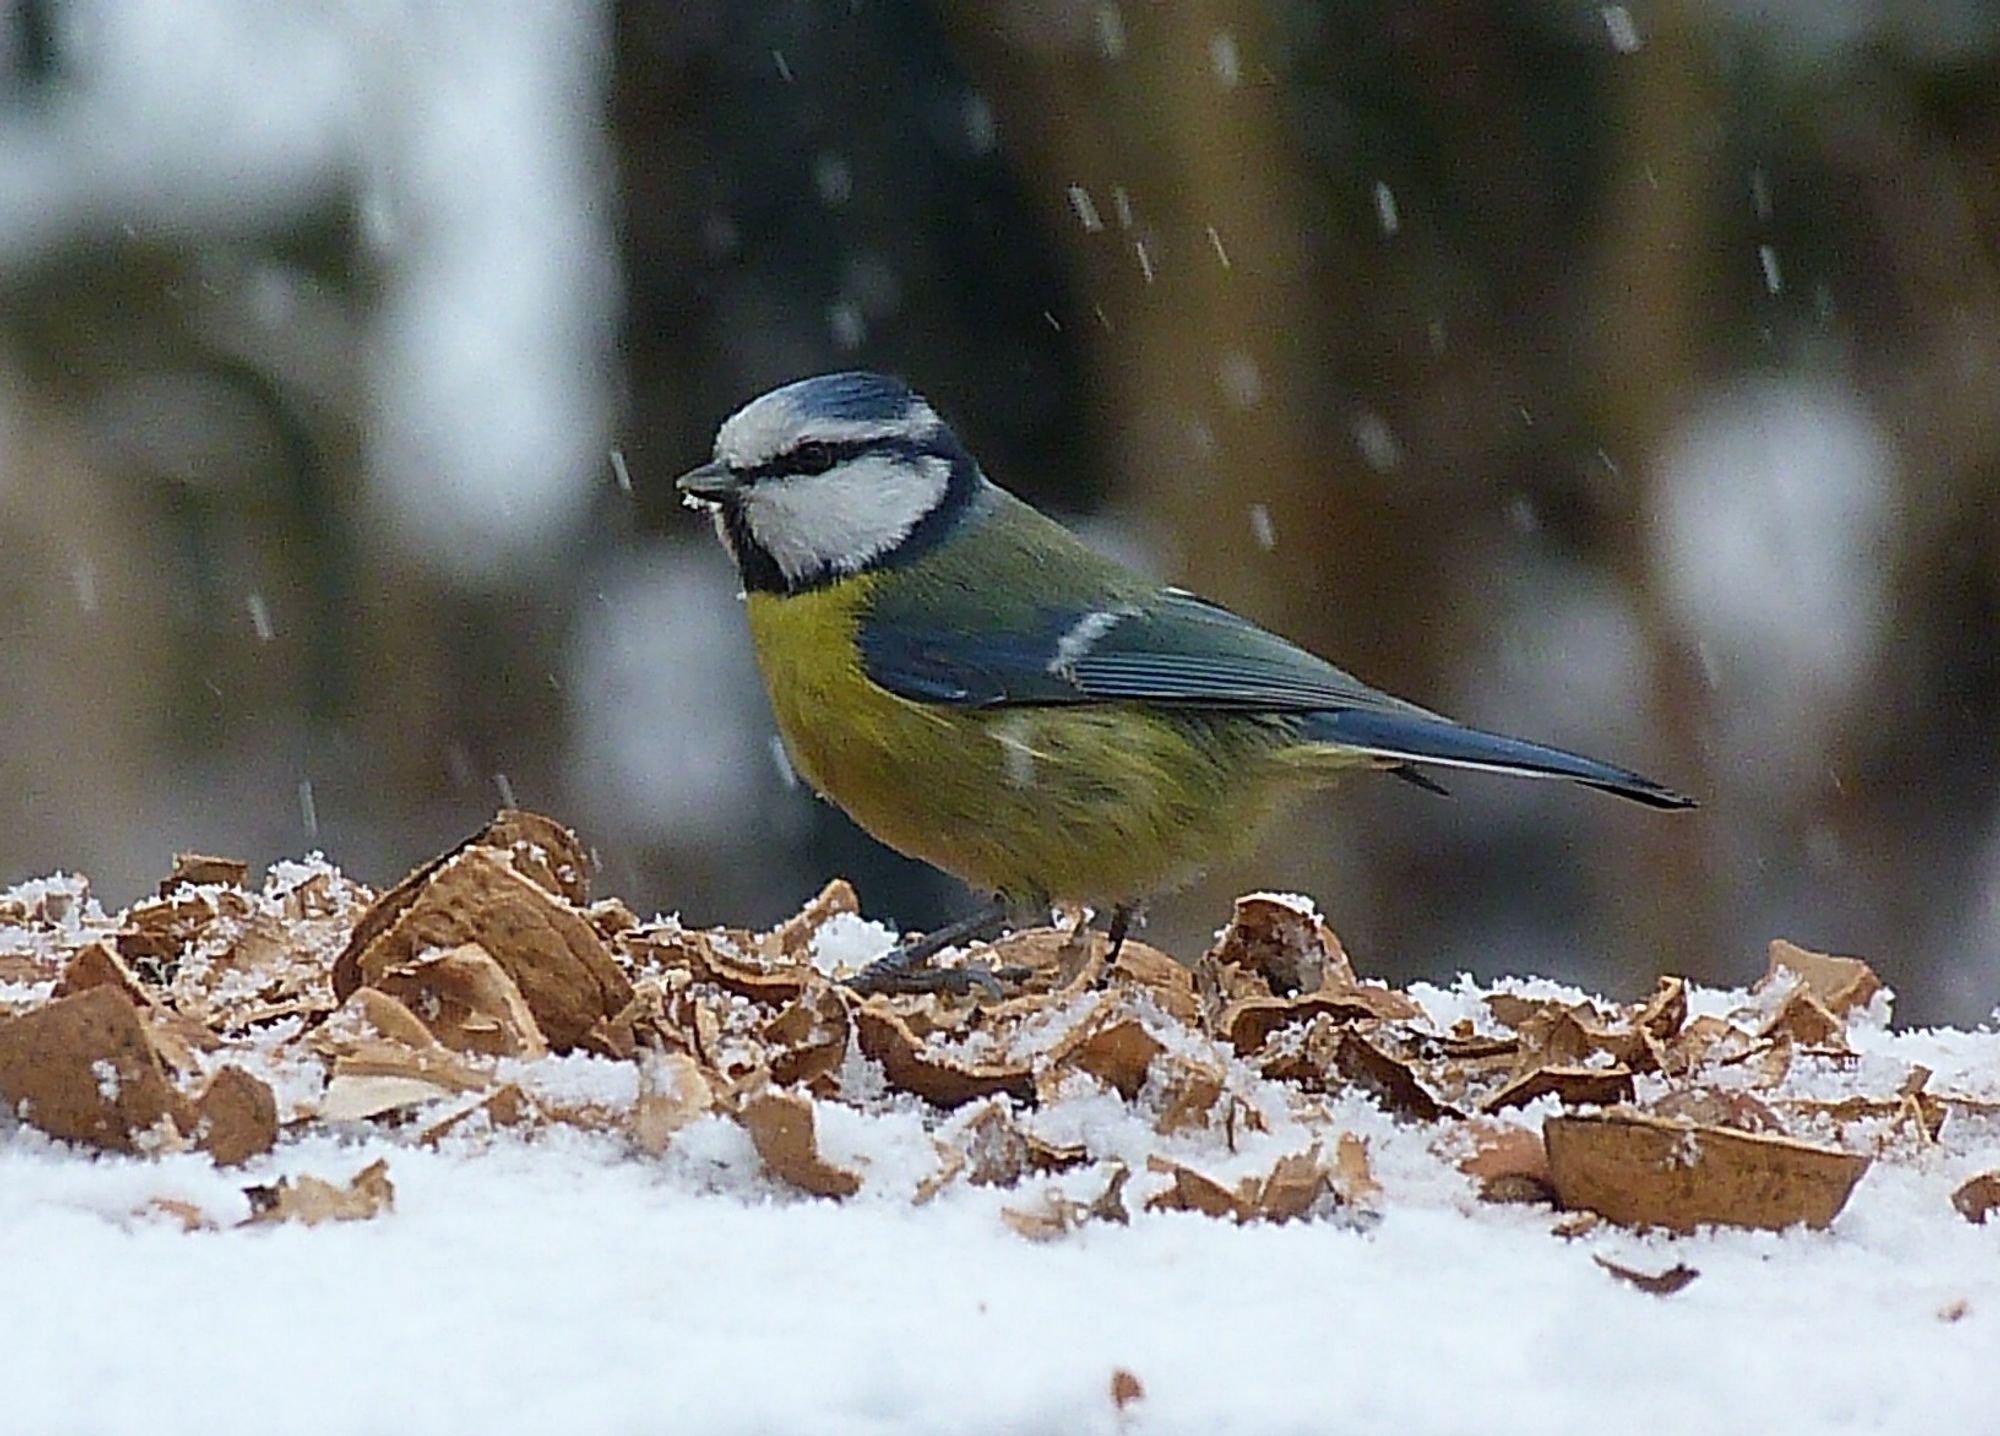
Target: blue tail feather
[(1417, 738)]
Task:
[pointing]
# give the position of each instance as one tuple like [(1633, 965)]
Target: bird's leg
[(906, 967), (1121, 924)]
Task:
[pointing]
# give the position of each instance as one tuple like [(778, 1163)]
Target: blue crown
[(856, 395)]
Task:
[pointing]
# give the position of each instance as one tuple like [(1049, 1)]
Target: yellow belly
[(1096, 803)]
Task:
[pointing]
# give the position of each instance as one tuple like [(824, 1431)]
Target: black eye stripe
[(812, 457), (816, 456)]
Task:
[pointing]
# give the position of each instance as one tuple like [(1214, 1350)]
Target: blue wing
[(1175, 650), (1167, 648), (1033, 618)]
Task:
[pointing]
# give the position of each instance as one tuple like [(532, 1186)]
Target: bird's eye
[(812, 457)]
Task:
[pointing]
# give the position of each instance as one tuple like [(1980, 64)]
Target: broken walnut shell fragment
[(792, 939), (236, 1118), (200, 869), (1640, 1170), (403, 1065), (1168, 982), (83, 1068), (782, 1128), (469, 1002), (1248, 1023), (1840, 983), (730, 958), (1574, 1086), (1329, 1054), (807, 1039), (1190, 1090), (478, 895), (1657, 1283), (1110, 1043), (1804, 1020), (674, 1091), (311, 1200), (1978, 1198), (541, 849), (1508, 1162), (1057, 1215), (97, 964), (1046, 963), (1362, 1063), (1284, 942), (940, 1079), (1288, 1191)]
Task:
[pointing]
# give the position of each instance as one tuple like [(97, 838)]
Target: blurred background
[(1623, 376)]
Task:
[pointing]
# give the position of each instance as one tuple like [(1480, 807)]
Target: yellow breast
[(1099, 803), (852, 740)]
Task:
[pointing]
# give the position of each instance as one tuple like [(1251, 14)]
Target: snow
[(1767, 260), (1619, 26), (848, 942), (709, 785), (567, 1281), (106, 1073), (1086, 209), (564, 1285), (560, 1275), (1385, 208), (1262, 529)]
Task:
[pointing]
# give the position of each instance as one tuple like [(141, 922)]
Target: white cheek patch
[(841, 519)]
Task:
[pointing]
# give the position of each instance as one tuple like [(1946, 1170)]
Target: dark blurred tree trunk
[(1207, 320), (1212, 329), (1651, 278)]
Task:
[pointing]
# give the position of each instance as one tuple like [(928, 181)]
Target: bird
[(979, 689)]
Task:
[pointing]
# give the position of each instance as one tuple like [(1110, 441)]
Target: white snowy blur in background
[(470, 140), (1773, 521)]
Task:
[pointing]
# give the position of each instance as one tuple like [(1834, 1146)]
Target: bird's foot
[(892, 978), (908, 967)]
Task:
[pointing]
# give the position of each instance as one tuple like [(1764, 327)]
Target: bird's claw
[(891, 977)]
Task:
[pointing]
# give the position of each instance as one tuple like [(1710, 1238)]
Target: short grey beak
[(711, 483)]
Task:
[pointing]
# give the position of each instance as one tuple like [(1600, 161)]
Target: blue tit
[(980, 690)]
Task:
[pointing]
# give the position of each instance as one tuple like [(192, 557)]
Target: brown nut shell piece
[(541, 849), (236, 1118), (1840, 983), (84, 1069), (469, 1001), (940, 1079), (1289, 947), (201, 868), (1247, 1024), (1978, 1198), (311, 1200), (562, 967), (782, 1128), (1645, 1171)]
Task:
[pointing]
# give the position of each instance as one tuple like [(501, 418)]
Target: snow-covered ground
[(565, 1284), (585, 1271)]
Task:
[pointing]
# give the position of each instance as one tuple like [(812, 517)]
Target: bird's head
[(830, 476)]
